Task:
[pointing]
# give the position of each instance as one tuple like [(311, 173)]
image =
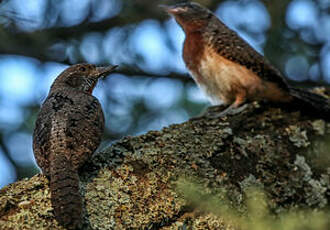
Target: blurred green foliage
[(258, 211)]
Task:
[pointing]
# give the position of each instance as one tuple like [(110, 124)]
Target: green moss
[(134, 183)]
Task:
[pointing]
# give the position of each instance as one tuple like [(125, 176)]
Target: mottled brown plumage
[(227, 68), (67, 132)]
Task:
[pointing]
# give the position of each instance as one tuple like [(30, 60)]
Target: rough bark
[(133, 183)]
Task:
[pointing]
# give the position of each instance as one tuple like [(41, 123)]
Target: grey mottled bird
[(67, 132)]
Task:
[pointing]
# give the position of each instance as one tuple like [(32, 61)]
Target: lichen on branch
[(135, 183)]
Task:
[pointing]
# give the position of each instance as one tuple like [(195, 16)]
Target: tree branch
[(134, 183), (134, 72)]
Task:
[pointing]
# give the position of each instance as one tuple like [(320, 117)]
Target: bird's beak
[(105, 71), (173, 9)]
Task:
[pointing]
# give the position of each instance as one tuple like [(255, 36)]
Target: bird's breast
[(222, 79)]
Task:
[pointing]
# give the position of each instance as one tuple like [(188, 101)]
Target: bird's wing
[(73, 122), (231, 46), (85, 125)]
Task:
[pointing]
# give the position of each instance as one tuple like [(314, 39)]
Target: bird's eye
[(82, 69)]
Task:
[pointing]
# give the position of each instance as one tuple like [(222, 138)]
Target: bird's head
[(82, 76), (189, 15)]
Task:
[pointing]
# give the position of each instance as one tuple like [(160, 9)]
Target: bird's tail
[(311, 103), (65, 197)]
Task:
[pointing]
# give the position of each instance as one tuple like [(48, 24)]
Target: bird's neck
[(193, 26), (193, 49), (63, 88)]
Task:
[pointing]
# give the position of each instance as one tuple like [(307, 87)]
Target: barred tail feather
[(311, 102), (65, 197)]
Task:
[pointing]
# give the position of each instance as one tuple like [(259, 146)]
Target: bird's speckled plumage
[(69, 119), (227, 68), (67, 132)]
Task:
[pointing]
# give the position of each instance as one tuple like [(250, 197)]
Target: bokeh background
[(151, 89)]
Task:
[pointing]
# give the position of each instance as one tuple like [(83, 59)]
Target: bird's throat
[(90, 91)]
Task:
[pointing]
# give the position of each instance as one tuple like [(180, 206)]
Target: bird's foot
[(214, 112), (231, 110), (209, 111)]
